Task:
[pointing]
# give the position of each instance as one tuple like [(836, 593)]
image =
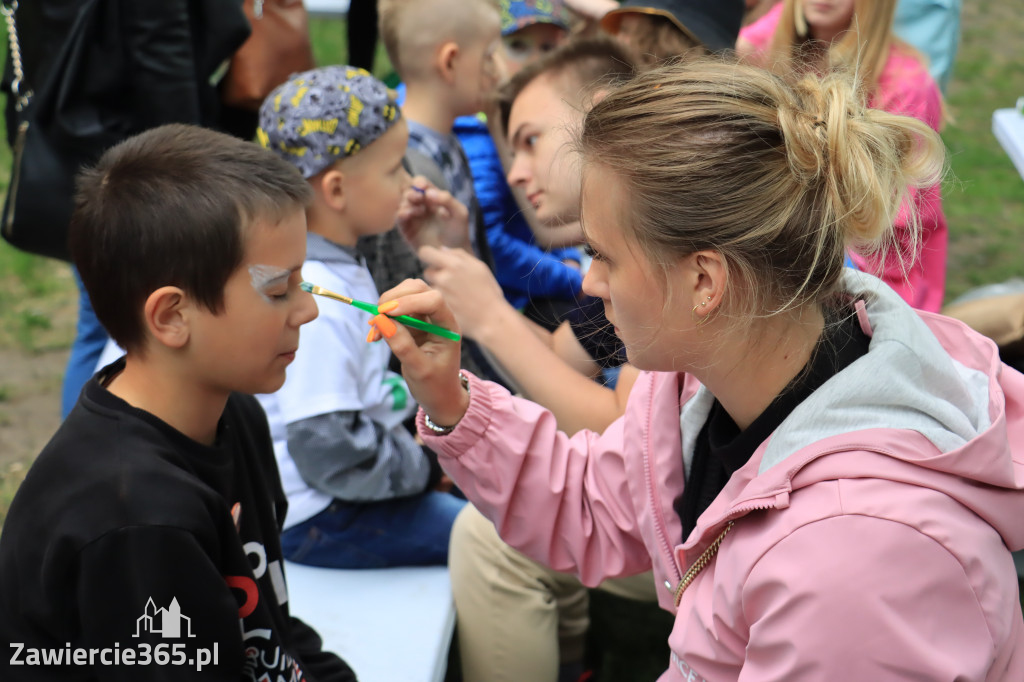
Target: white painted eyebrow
[(264, 277)]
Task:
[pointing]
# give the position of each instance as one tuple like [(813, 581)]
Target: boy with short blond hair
[(360, 488), (143, 544), (444, 52)]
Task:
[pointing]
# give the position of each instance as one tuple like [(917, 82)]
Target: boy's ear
[(446, 57), (165, 318), (332, 188)]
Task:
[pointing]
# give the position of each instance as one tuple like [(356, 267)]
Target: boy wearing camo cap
[(360, 489)]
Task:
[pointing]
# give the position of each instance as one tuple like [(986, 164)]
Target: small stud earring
[(698, 322)]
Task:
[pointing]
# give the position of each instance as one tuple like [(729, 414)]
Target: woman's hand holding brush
[(430, 364)]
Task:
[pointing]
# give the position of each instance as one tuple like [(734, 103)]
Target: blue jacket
[(523, 269)]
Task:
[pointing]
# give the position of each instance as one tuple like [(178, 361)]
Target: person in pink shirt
[(815, 35), (825, 482)]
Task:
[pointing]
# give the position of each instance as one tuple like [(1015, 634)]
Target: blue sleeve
[(567, 253), (523, 269), (933, 27), (489, 183)]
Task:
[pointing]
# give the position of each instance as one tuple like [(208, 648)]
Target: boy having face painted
[(159, 492), (360, 489)]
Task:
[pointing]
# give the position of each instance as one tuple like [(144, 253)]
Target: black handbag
[(51, 143), (40, 198)]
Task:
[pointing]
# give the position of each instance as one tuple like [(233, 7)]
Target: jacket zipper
[(703, 560), (709, 552), (652, 497), (19, 149)]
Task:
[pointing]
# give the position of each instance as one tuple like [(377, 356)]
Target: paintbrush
[(372, 309)]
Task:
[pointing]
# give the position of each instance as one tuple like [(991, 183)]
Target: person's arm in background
[(540, 369), (756, 36), (524, 267), (351, 457), (568, 255), (933, 27), (164, 86)]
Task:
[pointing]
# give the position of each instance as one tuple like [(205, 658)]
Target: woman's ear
[(446, 57), (597, 96), (166, 318), (708, 276)]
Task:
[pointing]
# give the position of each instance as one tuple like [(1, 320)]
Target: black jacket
[(123, 523), (137, 64)]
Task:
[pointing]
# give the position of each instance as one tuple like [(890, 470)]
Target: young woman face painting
[(656, 329)]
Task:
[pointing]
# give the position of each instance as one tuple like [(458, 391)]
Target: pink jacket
[(870, 532), (904, 87)]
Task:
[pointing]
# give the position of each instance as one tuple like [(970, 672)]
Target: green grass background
[(984, 203)]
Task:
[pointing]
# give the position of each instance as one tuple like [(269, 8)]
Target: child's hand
[(429, 216), (468, 286), (430, 364)]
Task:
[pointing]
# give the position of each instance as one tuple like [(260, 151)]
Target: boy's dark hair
[(592, 62), (169, 207)]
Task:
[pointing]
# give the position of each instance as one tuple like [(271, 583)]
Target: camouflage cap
[(518, 14), (325, 114)]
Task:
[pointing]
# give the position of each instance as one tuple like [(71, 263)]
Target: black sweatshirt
[(721, 448), (121, 544)]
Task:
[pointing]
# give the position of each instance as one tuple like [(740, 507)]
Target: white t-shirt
[(335, 370)]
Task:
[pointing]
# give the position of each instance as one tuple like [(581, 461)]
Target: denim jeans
[(408, 531), (90, 338)]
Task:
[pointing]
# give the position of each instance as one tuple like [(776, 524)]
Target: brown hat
[(715, 24)]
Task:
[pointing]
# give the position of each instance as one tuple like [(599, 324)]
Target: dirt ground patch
[(29, 402)]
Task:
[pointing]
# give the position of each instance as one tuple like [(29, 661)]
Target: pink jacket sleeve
[(905, 87), (759, 34), (867, 611), (562, 501)]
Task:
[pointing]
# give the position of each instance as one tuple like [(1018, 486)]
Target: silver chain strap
[(19, 72)]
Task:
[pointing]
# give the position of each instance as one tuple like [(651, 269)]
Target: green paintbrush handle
[(411, 322)]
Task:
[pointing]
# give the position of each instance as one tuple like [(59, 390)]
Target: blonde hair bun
[(865, 160), (778, 176)]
